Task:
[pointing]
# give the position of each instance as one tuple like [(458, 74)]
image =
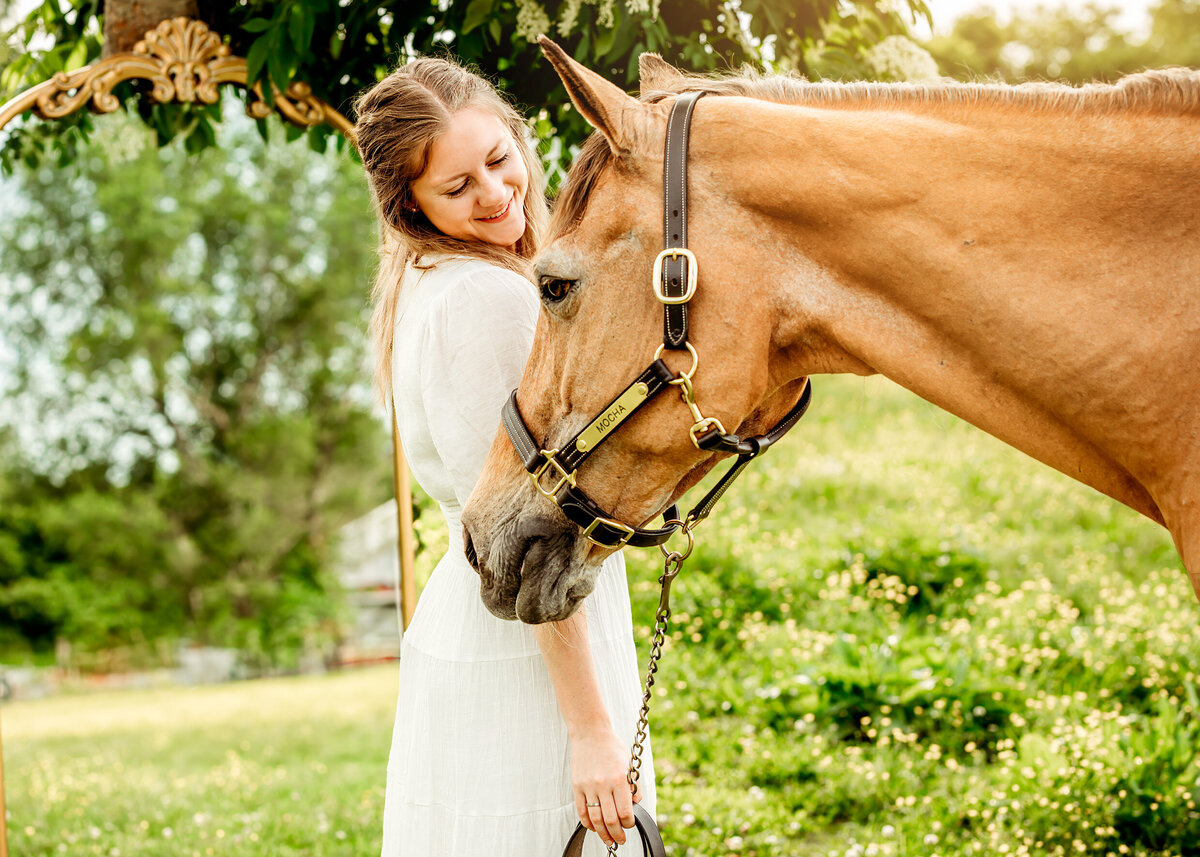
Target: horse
[(1026, 257)]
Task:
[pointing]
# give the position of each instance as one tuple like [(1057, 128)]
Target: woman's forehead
[(471, 137)]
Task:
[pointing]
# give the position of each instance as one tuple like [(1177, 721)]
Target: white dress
[(480, 762)]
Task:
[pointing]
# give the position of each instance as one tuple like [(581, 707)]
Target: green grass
[(896, 637), (279, 767)]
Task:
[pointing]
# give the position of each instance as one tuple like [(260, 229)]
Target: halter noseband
[(674, 282)]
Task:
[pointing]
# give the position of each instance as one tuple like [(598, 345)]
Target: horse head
[(601, 324)]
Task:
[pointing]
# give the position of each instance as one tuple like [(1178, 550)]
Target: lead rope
[(672, 563)]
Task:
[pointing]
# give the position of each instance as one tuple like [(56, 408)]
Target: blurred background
[(186, 417), (196, 484)]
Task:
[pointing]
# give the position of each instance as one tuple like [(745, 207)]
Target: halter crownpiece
[(675, 278)]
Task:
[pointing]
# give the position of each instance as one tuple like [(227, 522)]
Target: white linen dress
[(480, 761)]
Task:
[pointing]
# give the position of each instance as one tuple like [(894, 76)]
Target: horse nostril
[(469, 550)]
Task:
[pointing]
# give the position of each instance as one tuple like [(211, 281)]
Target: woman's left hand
[(599, 779)]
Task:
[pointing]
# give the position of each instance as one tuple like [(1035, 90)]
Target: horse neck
[(991, 259)]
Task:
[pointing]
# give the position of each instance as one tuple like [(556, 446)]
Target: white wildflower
[(604, 13), (532, 20), (900, 58), (568, 16)]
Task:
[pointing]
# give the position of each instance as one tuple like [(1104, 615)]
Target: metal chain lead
[(671, 566)]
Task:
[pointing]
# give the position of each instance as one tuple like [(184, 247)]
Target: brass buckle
[(564, 478), (702, 425), (692, 270), (616, 525)]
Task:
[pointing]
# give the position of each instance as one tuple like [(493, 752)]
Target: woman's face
[(474, 186)]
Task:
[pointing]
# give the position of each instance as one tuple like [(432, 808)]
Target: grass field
[(897, 637)]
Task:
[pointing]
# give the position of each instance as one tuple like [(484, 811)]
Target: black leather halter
[(674, 283)]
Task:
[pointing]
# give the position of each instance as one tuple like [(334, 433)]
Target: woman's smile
[(503, 213)]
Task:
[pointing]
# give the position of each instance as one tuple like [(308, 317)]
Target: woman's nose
[(491, 194)]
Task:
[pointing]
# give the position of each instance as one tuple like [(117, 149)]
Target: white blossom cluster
[(900, 58), (533, 20)]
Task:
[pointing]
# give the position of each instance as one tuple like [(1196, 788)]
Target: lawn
[(896, 637)]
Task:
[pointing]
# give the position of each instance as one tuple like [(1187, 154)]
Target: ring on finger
[(597, 803)]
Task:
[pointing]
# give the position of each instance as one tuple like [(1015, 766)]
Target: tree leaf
[(300, 27), (257, 25), (256, 58), (477, 13), (604, 43), (78, 56)]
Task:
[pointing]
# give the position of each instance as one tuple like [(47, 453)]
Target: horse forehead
[(559, 259)]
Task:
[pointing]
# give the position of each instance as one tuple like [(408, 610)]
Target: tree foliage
[(1069, 44), (187, 324), (342, 48), (190, 416)]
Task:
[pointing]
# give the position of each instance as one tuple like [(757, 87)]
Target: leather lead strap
[(652, 844), (675, 271)]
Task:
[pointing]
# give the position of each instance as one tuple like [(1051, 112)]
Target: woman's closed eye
[(458, 191)]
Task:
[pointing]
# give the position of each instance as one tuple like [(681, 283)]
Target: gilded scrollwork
[(184, 61)]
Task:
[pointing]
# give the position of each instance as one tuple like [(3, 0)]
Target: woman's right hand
[(599, 779)]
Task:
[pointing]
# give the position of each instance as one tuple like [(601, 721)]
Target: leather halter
[(674, 282)]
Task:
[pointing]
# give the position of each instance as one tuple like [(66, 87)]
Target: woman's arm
[(599, 761)]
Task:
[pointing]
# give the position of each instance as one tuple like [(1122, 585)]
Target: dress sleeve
[(476, 345)]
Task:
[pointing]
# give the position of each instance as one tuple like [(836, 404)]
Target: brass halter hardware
[(564, 478), (701, 424), (659, 280), (609, 522)]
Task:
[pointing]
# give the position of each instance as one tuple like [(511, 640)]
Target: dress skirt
[(480, 760)]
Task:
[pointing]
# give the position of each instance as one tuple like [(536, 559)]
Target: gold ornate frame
[(185, 61)]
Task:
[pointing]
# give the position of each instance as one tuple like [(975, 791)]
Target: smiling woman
[(474, 186), (505, 735)]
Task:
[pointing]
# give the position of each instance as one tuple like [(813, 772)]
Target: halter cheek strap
[(675, 277)]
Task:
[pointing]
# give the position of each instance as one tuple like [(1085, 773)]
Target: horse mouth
[(531, 573)]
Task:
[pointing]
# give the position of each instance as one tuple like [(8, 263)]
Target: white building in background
[(369, 570)]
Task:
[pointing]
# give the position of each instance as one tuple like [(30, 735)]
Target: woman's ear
[(607, 108)]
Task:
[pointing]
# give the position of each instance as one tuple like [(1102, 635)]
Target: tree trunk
[(126, 22)]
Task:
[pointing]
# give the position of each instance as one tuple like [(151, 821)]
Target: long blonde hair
[(399, 118)]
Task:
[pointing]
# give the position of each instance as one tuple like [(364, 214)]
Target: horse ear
[(656, 73), (605, 106)]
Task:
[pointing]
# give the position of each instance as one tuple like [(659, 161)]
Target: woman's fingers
[(612, 818), (596, 818), (624, 800), (581, 810)]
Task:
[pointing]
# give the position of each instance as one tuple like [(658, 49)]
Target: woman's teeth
[(499, 215)]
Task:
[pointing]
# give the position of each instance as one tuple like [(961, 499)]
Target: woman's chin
[(506, 234)]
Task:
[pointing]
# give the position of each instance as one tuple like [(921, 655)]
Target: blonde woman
[(505, 734)]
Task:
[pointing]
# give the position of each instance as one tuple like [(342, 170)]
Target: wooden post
[(408, 583), (126, 21)]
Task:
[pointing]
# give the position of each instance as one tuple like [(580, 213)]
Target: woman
[(505, 734)]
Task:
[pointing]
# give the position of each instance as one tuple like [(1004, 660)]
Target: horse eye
[(555, 289)]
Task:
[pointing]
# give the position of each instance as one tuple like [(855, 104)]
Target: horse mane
[(1170, 91)]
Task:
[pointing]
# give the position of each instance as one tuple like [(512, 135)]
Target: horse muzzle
[(530, 568)]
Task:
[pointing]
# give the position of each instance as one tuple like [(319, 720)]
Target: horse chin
[(553, 582), (536, 571)]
